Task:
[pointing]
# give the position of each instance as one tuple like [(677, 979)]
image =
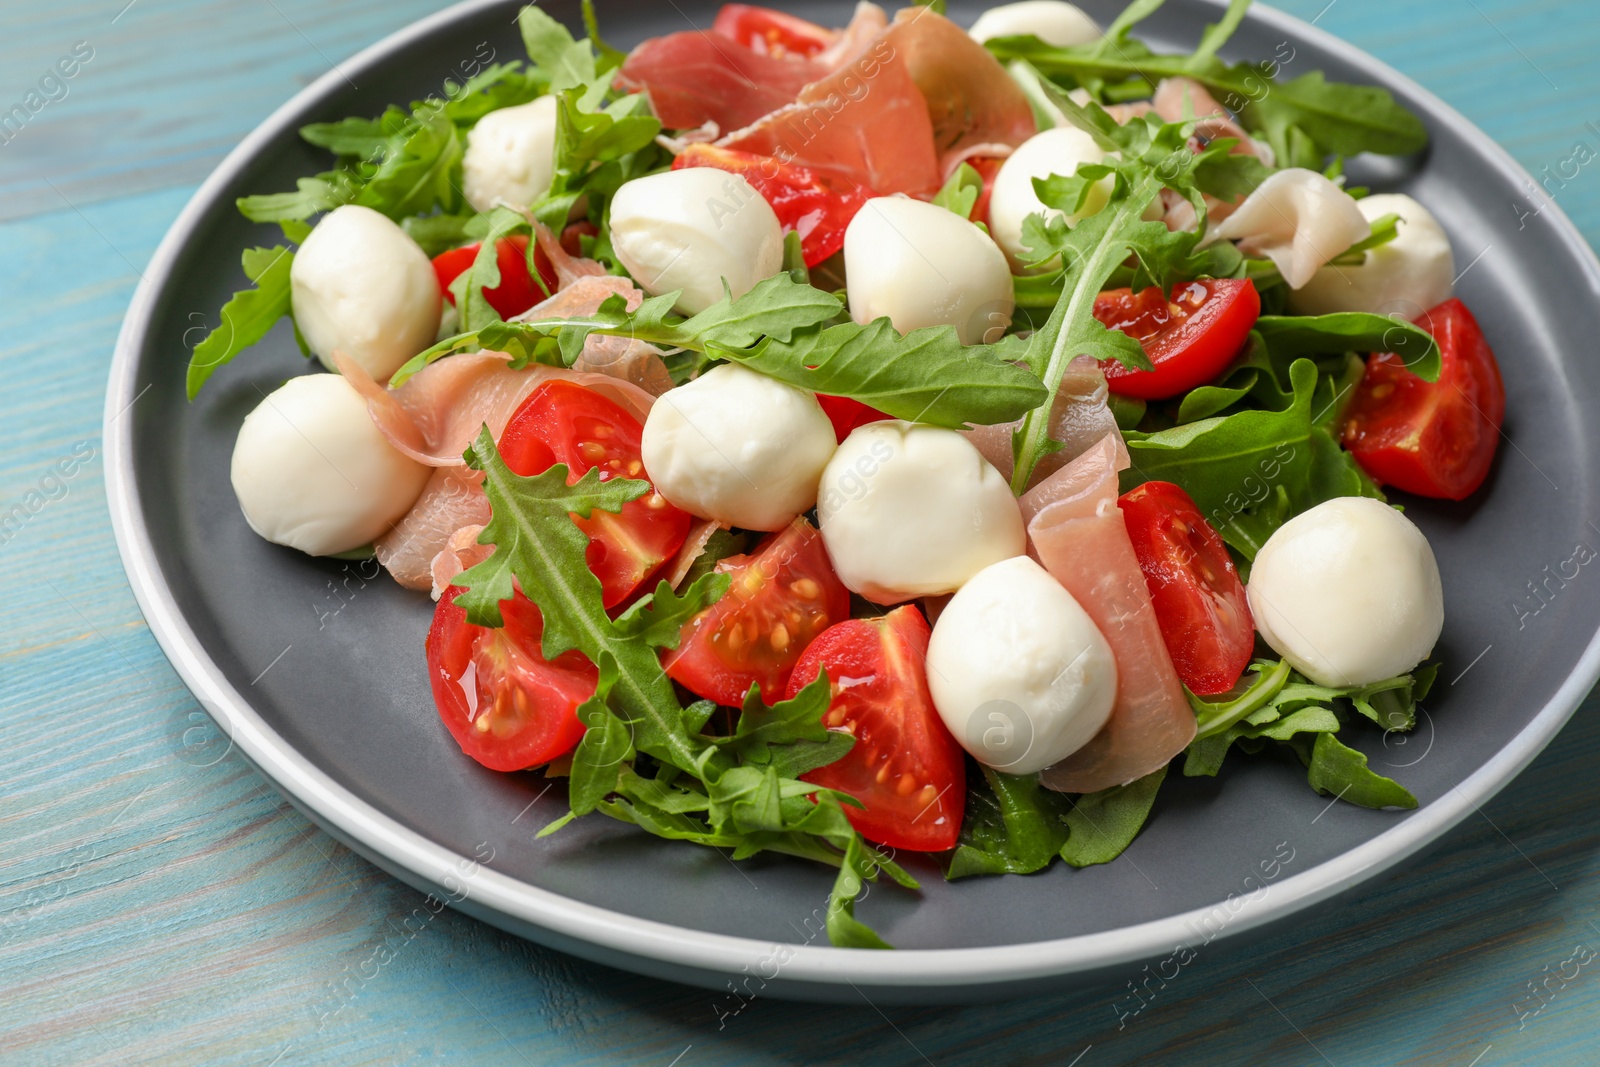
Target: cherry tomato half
[(781, 598), (562, 422), (1431, 438), (905, 767), (506, 705), (1190, 339), (1199, 600), (846, 414), (517, 291), (814, 202), (761, 29)]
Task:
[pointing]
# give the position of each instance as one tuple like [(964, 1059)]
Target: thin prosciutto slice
[(697, 77), (1076, 531), (1079, 419)]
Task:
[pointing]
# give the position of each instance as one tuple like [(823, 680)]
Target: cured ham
[(1076, 530), (1176, 99), (1298, 219), (452, 499), (868, 21), (1078, 420), (461, 551), (694, 77), (866, 118), (971, 99)]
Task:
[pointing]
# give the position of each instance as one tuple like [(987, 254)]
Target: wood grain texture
[(159, 904)]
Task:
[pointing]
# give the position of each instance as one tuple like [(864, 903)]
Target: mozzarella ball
[(1018, 671), (920, 265), (692, 230), (738, 447), (361, 286), (1348, 592), (1409, 275), (510, 155), (1052, 21), (1057, 151), (312, 471), (908, 510)]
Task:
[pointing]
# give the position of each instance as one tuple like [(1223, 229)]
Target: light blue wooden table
[(160, 904)]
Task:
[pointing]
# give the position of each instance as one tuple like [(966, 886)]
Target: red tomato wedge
[(517, 291), (761, 29), (987, 167), (905, 767), (507, 706), (1438, 438), (693, 78), (781, 598), (563, 422), (1190, 339), (847, 414), (814, 202), (1200, 603)]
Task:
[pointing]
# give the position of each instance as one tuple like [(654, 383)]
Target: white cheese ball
[(361, 286), (920, 265), (510, 155), (908, 510), (738, 447), (1348, 593), (1407, 276), (1056, 151), (1018, 671), (692, 230), (1052, 21), (311, 470)]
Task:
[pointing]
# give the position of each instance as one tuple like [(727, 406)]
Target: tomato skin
[(516, 709), (1190, 339), (736, 642), (905, 767), (1199, 600), (774, 33), (517, 291), (563, 422), (1435, 439), (847, 414), (815, 202)]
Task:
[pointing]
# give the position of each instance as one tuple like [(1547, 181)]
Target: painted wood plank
[(158, 904)]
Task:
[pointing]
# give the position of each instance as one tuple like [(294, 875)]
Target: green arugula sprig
[(644, 757), (1304, 120), (247, 316), (1281, 706), (780, 328)]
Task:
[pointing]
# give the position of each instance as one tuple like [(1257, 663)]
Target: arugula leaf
[(1303, 119), (1290, 336), (1342, 771), (927, 375), (1104, 824), (419, 173), (733, 792), (247, 316), (564, 61), (1013, 825), (609, 58), (961, 192), (436, 233), (476, 311), (1385, 228), (312, 195)]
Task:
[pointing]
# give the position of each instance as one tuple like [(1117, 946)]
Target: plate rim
[(329, 802)]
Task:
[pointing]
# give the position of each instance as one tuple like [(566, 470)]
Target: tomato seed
[(655, 501), (928, 795), (779, 637), (634, 467), (905, 785), (591, 451), (806, 588)]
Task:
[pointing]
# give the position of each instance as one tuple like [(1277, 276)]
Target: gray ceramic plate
[(324, 689)]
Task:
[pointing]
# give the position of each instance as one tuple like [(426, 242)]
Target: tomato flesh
[(507, 706), (814, 202), (779, 600), (847, 414), (905, 767), (517, 291), (987, 167), (1199, 600), (563, 422), (1190, 339), (1435, 439), (761, 29)]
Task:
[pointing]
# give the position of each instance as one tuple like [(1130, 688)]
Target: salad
[(888, 439)]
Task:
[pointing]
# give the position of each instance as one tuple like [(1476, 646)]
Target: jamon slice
[(693, 78), (866, 119), (971, 99), (1079, 419), (1076, 531), (452, 499)]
